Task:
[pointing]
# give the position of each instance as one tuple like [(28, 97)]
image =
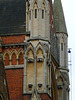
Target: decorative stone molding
[(14, 66), (39, 85), (30, 60), (40, 59), (30, 87), (60, 86)]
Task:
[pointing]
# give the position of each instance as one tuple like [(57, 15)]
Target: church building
[(34, 43)]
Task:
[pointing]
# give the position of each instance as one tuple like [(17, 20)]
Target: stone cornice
[(63, 69), (14, 66), (16, 44), (15, 34), (39, 38)]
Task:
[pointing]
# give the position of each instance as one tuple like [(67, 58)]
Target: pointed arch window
[(21, 60), (14, 60), (35, 13), (35, 9), (42, 14), (61, 46), (7, 62)]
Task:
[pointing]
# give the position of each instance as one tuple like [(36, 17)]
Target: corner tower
[(61, 32), (37, 76)]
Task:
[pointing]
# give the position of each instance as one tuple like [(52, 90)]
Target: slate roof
[(12, 16), (60, 25)]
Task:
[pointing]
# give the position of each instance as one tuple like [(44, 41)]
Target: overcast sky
[(69, 13)]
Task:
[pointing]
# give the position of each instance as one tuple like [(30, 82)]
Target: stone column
[(26, 18), (25, 74), (31, 22), (45, 73), (10, 61), (35, 68), (17, 61), (64, 92), (39, 21), (50, 77), (47, 30), (26, 21), (39, 18)]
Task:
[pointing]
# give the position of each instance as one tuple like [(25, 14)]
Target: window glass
[(61, 46), (42, 14), (35, 13)]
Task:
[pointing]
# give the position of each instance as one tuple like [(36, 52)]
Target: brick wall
[(14, 60), (21, 60), (13, 39), (15, 83)]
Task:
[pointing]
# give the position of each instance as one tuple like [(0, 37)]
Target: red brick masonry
[(13, 39)]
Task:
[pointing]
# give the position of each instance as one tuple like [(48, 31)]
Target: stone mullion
[(35, 68), (10, 61), (39, 21), (17, 61), (31, 22), (47, 25)]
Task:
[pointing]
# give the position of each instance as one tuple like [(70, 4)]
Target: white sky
[(69, 13)]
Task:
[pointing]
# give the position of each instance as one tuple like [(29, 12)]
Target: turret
[(37, 74), (61, 32), (37, 18)]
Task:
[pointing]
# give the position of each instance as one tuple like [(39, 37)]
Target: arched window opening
[(7, 62), (42, 14), (39, 53), (36, 11), (14, 60), (61, 46), (43, 10), (21, 60), (29, 13)]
